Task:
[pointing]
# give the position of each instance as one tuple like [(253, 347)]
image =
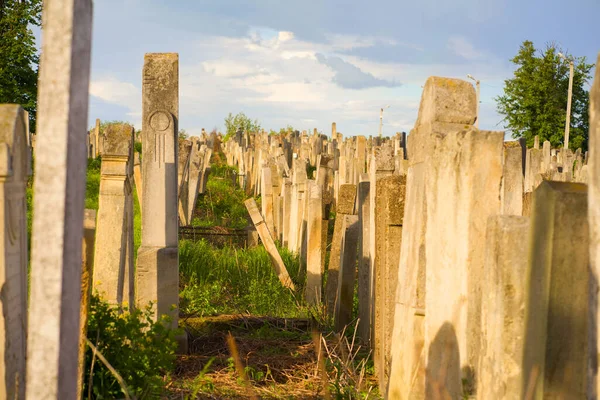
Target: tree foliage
[(240, 122), (535, 99), (18, 54)]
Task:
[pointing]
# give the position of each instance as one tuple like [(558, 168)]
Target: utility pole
[(570, 95), (478, 94), (381, 119)]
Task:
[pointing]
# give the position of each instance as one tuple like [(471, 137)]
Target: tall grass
[(229, 280)]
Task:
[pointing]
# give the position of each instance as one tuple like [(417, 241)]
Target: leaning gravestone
[(14, 172), (59, 186), (157, 272)]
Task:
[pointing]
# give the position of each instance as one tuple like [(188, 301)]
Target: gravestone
[(512, 182), (114, 272), (314, 242), (59, 187), (503, 307), (408, 357), (558, 331), (345, 294), (364, 263), (14, 172), (157, 271), (345, 206)]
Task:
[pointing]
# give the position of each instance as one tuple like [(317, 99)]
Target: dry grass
[(278, 357)]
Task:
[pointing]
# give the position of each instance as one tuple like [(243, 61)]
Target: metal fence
[(216, 236)]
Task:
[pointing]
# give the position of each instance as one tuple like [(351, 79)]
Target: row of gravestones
[(476, 259), (74, 250)]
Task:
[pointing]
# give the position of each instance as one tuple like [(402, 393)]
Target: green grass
[(92, 188), (229, 281), (223, 203)]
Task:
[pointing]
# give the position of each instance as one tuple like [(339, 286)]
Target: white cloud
[(114, 91), (462, 47)]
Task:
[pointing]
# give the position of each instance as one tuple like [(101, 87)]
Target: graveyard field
[(226, 290)]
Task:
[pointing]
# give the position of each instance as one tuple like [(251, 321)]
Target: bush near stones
[(140, 350)]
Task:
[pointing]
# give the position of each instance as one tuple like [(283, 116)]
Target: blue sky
[(309, 63)]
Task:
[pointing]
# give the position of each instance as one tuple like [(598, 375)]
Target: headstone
[(14, 173), (559, 333), (347, 271), (590, 174), (345, 206), (408, 357), (461, 195), (114, 272), (512, 182), (267, 199), (157, 270), (196, 168), (265, 237), (137, 176), (503, 308), (364, 264), (389, 206), (87, 272), (314, 242), (59, 186)]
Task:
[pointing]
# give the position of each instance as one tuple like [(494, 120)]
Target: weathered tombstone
[(345, 206), (512, 182), (14, 156), (59, 186), (157, 271), (461, 195), (389, 205), (364, 263), (114, 272), (382, 165), (314, 242), (195, 169), (407, 370), (591, 173), (87, 272), (137, 177), (347, 271), (503, 308), (560, 336), (267, 239), (266, 202), (286, 210), (183, 175), (99, 138)]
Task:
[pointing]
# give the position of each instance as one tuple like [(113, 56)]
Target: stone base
[(157, 281)]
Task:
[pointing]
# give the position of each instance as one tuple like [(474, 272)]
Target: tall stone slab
[(113, 272), (503, 307), (196, 165), (266, 202), (461, 195), (381, 165), (59, 186), (314, 242), (389, 205), (345, 206), (364, 262), (286, 189), (590, 173), (559, 334), (157, 272), (348, 257), (183, 176), (408, 355), (14, 172), (512, 182), (137, 178), (87, 273)]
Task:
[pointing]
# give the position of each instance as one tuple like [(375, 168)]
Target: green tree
[(19, 58), (240, 121), (535, 99)]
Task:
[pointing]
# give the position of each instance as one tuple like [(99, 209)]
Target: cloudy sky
[(308, 63)]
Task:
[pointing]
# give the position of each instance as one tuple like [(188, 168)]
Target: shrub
[(140, 350)]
